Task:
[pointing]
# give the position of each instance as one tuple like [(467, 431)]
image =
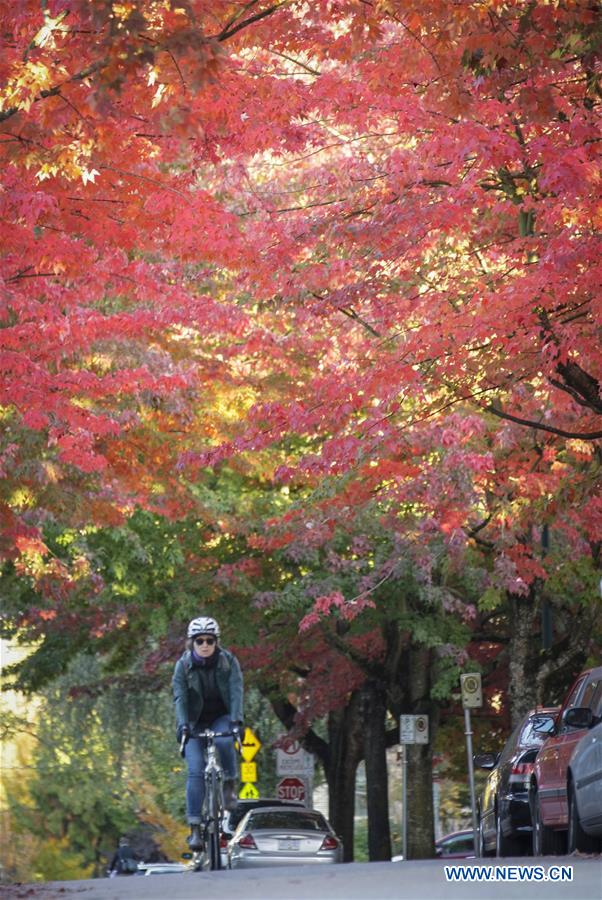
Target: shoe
[(195, 841), (229, 794)]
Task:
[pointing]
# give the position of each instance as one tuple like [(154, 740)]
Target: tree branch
[(577, 435), (369, 668), (297, 62), (286, 712), (580, 384), (351, 314), (228, 32), (56, 90)]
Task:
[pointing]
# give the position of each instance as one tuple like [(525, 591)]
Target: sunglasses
[(210, 641)]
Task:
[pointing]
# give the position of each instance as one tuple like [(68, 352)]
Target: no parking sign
[(414, 729)]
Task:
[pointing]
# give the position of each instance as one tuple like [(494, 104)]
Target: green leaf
[(491, 599)]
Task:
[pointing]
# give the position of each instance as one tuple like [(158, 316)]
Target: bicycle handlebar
[(215, 734), (208, 734)]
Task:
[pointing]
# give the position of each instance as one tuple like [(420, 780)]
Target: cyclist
[(208, 694), (124, 860)]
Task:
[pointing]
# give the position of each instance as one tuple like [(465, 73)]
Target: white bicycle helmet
[(203, 625)]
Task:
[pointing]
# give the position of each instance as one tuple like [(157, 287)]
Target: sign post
[(293, 760), (421, 729), (472, 698), (250, 745), (404, 802), (248, 792), (291, 788), (248, 770)]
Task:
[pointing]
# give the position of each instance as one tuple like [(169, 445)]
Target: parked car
[(456, 845), (283, 836), (236, 815), (504, 814), (584, 792), (163, 868), (548, 797)]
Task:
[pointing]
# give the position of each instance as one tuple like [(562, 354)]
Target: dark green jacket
[(188, 688)]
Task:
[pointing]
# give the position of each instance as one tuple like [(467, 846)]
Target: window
[(244, 806), (462, 844), (510, 745), (287, 819), (570, 701), (596, 704), (590, 692), (537, 729)]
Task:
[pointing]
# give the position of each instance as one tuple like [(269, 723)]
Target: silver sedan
[(584, 787), (283, 836)]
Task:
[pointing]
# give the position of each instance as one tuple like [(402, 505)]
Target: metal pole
[(308, 781), (404, 800), (473, 802)]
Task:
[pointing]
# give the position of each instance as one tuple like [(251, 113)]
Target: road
[(413, 880)]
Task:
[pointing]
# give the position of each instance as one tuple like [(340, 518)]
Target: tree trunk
[(339, 755), (538, 676), (377, 781), (421, 826), (524, 633), (345, 740)]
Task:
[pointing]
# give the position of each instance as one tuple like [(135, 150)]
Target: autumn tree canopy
[(348, 247), (300, 318)]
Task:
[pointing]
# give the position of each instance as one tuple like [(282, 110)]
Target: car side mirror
[(486, 760), (544, 725), (578, 717)]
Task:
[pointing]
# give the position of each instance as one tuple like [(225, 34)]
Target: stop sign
[(291, 789)]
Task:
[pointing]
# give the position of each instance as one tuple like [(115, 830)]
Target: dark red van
[(581, 709)]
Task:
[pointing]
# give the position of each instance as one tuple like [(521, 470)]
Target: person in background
[(208, 694), (124, 860)]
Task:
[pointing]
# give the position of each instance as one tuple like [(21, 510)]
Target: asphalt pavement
[(413, 880)]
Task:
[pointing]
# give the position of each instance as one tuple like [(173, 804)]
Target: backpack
[(128, 865)]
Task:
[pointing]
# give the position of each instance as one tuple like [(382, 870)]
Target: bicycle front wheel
[(215, 861), (215, 812)]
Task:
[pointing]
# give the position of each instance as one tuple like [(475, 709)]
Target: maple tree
[(348, 248), (439, 230)]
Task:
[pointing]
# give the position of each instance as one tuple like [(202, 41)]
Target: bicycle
[(212, 811)]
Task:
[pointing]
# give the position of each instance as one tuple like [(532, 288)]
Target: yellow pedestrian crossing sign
[(250, 745), (248, 771), (248, 792)]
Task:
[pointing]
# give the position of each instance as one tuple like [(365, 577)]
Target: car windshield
[(287, 819), (536, 730), (238, 814)]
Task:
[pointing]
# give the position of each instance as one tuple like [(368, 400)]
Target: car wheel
[(546, 841), (504, 846), (577, 838)]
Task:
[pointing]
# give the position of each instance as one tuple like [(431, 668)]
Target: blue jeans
[(195, 758)]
